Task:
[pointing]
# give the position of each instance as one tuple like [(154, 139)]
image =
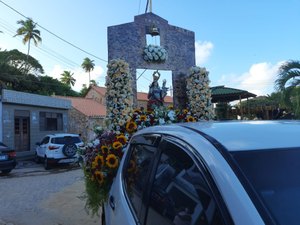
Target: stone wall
[(127, 41), (84, 125)]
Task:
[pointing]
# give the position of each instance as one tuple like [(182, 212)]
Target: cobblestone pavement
[(30, 195)]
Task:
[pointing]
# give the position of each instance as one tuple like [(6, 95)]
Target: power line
[(50, 32), (69, 43)]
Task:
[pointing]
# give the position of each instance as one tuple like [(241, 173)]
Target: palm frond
[(287, 71)]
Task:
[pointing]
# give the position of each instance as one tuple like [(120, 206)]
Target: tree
[(29, 32), (67, 78), (288, 82), (84, 90), (18, 60), (289, 75), (13, 75), (88, 65)]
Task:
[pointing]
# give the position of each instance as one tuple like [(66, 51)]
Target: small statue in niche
[(156, 94)]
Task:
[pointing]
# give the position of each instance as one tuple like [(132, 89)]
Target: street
[(30, 195)]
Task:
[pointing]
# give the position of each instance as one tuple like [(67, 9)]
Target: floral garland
[(119, 96), (102, 157), (199, 94), (155, 53)]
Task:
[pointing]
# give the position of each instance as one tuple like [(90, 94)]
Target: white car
[(58, 148), (243, 173)]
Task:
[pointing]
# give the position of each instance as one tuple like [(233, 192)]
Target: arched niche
[(127, 42)]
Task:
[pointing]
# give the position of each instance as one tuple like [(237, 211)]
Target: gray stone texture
[(127, 42)]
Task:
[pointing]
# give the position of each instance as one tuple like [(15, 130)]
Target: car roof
[(63, 135), (241, 135)]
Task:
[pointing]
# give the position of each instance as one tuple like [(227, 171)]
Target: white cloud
[(260, 79), (203, 51), (80, 76)]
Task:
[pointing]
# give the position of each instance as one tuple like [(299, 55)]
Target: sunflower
[(112, 161), (99, 160), (143, 118), (190, 119), (131, 126), (104, 148), (121, 138), (117, 145), (170, 107), (137, 111), (185, 111), (99, 177)]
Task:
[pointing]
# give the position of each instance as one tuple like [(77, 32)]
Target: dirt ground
[(72, 213), (27, 203)]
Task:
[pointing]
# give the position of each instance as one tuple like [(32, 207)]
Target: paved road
[(32, 196)]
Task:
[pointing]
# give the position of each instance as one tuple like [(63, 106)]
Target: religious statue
[(156, 94)]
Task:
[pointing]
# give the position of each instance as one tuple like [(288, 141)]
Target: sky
[(241, 43)]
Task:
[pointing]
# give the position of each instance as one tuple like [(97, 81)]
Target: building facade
[(26, 118)]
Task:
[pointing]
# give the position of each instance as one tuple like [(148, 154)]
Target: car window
[(180, 195), (136, 174), (66, 140), (45, 140)]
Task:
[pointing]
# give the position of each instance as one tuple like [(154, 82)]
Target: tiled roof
[(141, 96), (87, 106), (100, 90)]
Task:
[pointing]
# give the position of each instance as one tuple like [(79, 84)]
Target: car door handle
[(112, 202)]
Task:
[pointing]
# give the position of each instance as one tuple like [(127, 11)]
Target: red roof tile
[(87, 106), (100, 90), (141, 96)]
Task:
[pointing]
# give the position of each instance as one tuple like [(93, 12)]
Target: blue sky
[(241, 43)]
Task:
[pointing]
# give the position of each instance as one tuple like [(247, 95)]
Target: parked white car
[(214, 173), (58, 148)]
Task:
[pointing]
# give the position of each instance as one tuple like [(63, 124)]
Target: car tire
[(5, 172), (37, 159), (69, 150), (46, 164)]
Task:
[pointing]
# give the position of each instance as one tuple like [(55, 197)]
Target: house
[(90, 111), (84, 115), (98, 94), (26, 118)]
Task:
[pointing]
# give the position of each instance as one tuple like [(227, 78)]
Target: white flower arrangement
[(199, 93), (119, 96), (155, 53)]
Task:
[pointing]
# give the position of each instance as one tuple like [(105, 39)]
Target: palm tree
[(29, 32), (289, 75), (288, 82), (67, 78), (88, 65)]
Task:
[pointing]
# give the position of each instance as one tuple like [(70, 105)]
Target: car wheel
[(46, 164), (37, 159), (69, 150), (6, 171)]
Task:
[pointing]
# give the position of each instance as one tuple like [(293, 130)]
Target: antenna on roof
[(149, 6)]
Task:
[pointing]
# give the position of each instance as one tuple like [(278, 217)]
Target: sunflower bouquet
[(101, 161), (102, 157)]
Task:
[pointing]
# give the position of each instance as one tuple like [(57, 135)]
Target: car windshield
[(66, 140), (275, 176)]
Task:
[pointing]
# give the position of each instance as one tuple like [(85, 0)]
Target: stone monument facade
[(127, 41)]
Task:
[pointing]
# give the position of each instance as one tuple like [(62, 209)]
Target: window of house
[(180, 194), (50, 121)]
